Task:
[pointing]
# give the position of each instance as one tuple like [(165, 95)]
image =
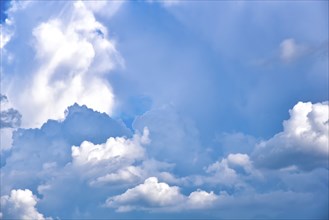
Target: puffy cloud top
[(303, 141), (20, 204), (73, 54), (153, 194)]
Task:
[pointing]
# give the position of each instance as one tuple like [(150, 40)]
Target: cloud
[(201, 199), (303, 141), (112, 161), (88, 153), (173, 135), (10, 119), (231, 172), (73, 55), (20, 204), (290, 50), (49, 147), (168, 165), (153, 195)]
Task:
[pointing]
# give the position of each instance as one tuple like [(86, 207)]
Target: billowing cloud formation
[(154, 195), (20, 204), (303, 141), (118, 175), (73, 55), (112, 161), (202, 121), (50, 146)]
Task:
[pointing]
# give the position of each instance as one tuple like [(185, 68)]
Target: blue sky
[(171, 109)]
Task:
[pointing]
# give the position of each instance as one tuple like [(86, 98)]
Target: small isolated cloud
[(20, 204), (155, 195), (290, 50), (303, 141)]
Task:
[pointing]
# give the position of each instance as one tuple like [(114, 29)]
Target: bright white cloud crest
[(114, 148), (20, 204), (153, 194), (74, 53), (303, 142)]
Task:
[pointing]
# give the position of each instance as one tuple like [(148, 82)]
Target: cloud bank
[(115, 109)]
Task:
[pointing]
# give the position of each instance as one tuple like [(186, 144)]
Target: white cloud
[(118, 148), (230, 171), (112, 162), (149, 194), (155, 195), (201, 199), (20, 204), (303, 141), (73, 55), (290, 50)]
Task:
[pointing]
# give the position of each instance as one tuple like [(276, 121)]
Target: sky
[(164, 109)]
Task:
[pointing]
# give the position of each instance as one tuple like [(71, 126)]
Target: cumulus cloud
[(231, 171), (303, 141), (153, 195), (20, 204), (162, 166), (201, 199), (112, 161), (49, 148), (73, 55)]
